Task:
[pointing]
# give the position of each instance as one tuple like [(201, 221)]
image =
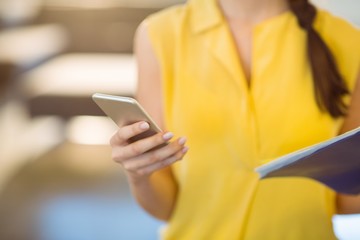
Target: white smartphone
[(124, 111)]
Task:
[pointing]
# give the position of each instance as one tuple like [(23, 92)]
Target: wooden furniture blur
[(63, 86)]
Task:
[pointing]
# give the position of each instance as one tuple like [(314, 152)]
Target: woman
[(245, 81)]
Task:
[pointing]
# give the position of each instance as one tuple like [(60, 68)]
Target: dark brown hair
[(328, 84)]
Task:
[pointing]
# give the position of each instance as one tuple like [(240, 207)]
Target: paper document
[(335, 163)]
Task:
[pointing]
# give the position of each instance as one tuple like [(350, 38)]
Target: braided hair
[(329, 86)]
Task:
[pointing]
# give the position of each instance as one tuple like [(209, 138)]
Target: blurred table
[(64, 85), (23, 48), (26, 46)]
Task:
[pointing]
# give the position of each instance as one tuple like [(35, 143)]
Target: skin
[(150, 177)]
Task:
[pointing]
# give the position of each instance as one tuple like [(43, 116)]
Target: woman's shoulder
[(336, 27), (168, 16), (343, 38), (164, 26)]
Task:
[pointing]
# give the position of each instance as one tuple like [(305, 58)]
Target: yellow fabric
[(232, 129)]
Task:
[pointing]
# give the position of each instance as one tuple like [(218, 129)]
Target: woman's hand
[(143, 157)]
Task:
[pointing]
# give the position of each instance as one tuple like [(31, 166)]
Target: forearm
[(347, 204), (146, 163), (156, 194)]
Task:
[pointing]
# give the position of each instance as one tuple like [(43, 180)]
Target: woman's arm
[(347, 204), (148, 172)]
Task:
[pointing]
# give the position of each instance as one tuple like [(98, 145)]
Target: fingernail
[(168, 136), (144, 125), (185, 149), (182, 141)]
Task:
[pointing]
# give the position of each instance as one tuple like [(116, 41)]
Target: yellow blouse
[(233, 128)]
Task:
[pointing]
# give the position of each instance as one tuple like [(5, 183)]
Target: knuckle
[(168, 162), (160, 138), (117, 155), (113, 141), (117, 139), (136, 149), (127, 166), (165, 163), (135, 129), (154, 157), (173, 159), (116, 159), (175, 147), (179, 155), (143, 172)]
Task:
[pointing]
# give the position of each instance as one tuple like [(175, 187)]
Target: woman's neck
[(252, 11)]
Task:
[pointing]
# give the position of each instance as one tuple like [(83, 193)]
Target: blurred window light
[(90, 130), (18, 11), (346, 227), (111, 3), (31, 44), (82, 75)]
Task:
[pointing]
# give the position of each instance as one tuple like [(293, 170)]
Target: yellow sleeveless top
[(233, 128)]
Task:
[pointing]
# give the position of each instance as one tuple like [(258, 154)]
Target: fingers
[(158, 158), (125, 133), (149, 154), (144, 145), (163, 163)]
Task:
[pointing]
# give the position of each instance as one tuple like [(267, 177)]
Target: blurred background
[(57, 179)]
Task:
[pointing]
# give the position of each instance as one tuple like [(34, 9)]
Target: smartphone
[(125, 111)]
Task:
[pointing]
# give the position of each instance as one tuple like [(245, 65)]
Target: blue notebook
[(335, 163)]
